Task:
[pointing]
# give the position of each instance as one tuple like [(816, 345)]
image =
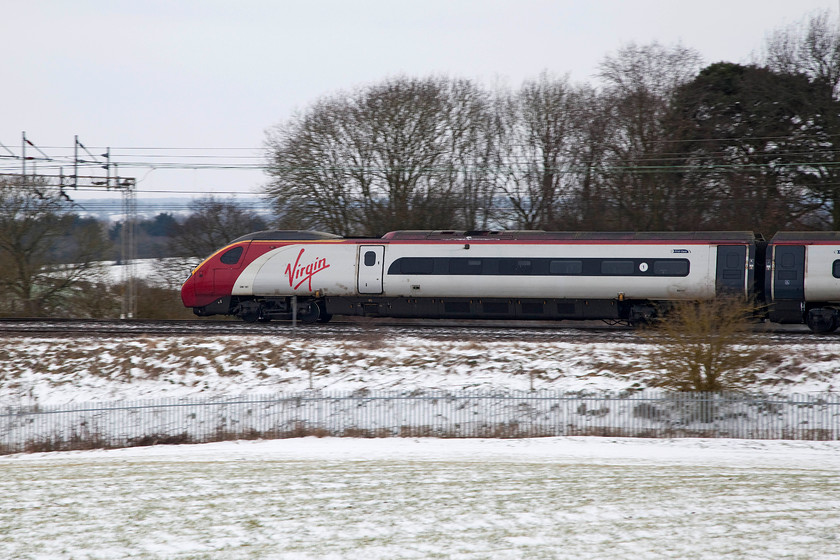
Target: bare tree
[(641, 81), (402, 154), (474, 171), (406, 128), (43, 257), (317, 163), (595, 129), (536, 149), (812, 47)]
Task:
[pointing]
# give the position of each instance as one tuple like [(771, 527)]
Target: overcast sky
[(208, 77)]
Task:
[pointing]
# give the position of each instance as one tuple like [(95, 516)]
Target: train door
[(370, 266), (789, 272), (731, 275)]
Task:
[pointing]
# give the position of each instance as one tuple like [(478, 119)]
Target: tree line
[(662, 143)]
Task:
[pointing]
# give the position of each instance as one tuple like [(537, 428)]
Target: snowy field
[(581, 498), (50, 371)]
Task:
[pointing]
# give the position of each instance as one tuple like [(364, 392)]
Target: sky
[(190, 84)]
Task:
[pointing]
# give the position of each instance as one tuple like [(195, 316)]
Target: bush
[(706, 346)]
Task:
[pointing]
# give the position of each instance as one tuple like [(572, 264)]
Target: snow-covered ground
[(56, 371), (394, 498), (166, 272), (581, 498)]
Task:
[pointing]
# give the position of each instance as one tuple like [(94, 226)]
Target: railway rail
[(443, 329)]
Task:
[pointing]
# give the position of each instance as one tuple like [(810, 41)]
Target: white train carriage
[(487, 274), (545, 275)]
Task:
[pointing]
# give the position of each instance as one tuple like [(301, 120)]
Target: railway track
[(472, 330), (335, 329)]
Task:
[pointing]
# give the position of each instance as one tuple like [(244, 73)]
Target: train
[(627, 277)]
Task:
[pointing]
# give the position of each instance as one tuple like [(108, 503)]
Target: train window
[(518, 267), (835, 269), (734, 261), (565, 267), (412, 265), (370, 258), (788, 260), (615, 267), (671, 267), (465, 266), (232, 256)]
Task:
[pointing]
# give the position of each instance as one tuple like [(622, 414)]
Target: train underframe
[(253, 310), (819, 317), (321, 309)]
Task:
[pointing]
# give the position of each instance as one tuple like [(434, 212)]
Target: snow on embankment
[(54, 371)]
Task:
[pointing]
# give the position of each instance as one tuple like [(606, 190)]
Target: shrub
[(705, 345)]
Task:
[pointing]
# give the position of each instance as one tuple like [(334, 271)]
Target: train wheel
[(822, 320), (324, 317), (641, 315), (309, 313), (250, 312)]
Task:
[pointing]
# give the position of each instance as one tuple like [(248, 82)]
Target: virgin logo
[(298, 274)]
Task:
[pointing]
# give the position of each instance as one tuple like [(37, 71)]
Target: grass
[(230, 508)]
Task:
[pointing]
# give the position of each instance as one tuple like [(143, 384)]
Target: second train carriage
[(802, 279), (485, 274)]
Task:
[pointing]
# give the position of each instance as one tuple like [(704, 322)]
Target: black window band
[(504, 266)]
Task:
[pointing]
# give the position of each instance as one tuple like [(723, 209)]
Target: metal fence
[(462, 414)]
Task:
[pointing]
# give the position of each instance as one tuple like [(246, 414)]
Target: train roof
[(740, 236), (286, 235), (806, 237), (536, 235)]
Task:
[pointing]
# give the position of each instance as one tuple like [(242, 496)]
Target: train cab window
[(835, 269), (232, 256), (615, 267), (565, 267), (671, 267), (370, 258)]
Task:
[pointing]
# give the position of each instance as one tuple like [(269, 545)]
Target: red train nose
[(188, 292)]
